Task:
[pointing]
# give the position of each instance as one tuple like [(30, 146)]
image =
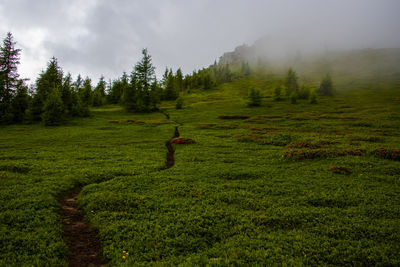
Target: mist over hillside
[(368, 65)]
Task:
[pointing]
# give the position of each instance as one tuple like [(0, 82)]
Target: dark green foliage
[(9, 77), (48, 81), (179, 80), (51, 79), (74, 98), (155, 94), (78, 83), (20, 103), (179, 103), (78, 109), (99, 93), (326, 86), (221, 73), (66, 94), (86, 93), (144, 71), (207, 81), (207, 78), (313, 97), (291, 83), (304, 92), (293, 98), (117, 89), (142, 94), (170, 91), (53, 113), (36, 108), (278, 94), (245, 70), (255, 98)]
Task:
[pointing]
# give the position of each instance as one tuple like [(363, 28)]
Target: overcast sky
[(95, 37)]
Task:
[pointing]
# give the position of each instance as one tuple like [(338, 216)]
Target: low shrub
[(255, 98), (179, 103), (182, 140), (303, 144), (216, 126), (353, 152), (392, 154), (341, 170), (307, 154), (232, 117), (151, 122)]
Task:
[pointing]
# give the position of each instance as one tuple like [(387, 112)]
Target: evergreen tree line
[(291, 88), (55, 97), (52, 99), (134, 97)]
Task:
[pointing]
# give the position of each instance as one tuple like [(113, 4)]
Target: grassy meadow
[(286, 184)]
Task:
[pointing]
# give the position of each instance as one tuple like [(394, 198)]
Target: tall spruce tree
[(86, 93), (78, 83), (170, 90), (53, 108), (138, 96), (291, 82), (9, 77), (179, 80), (145, 72), (66, 93), (20, 102), (99, 92), (130, 93), (48, 81), (326, 86)]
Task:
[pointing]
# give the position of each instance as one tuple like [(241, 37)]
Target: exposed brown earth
[(84, 247)]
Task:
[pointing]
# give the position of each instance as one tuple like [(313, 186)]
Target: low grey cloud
[(95, 37)]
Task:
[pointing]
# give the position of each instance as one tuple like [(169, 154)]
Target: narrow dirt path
[(170, 160), (84, 247)]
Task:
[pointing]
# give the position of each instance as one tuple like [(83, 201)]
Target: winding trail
[(170, 160), (84, 247)]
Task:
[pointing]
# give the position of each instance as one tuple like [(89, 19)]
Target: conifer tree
[(131, 98), (99, 92), (326, 86), (86, 93), (170, 91), (254, 98), (20, 102), (179, 103), (9, 77), (313, 98), (48, 81), (78, 83), (291, 82), (293, 97), (53, 108), (207, 81), (66, 93), (179, 80), (155, 95), (145, 72), (277, 94), (245, 69)]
